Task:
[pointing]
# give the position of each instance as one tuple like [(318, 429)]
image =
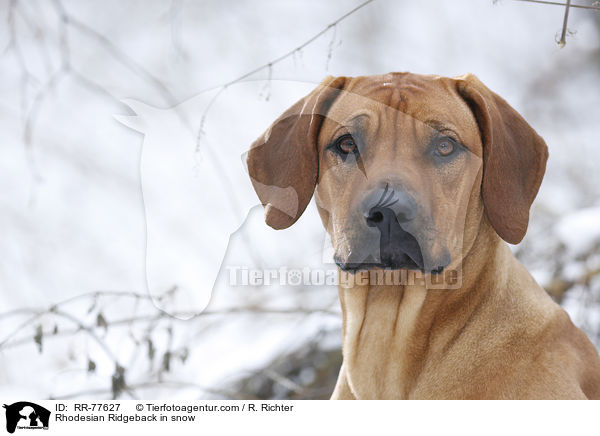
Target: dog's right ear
[(514, 159), (283, 162)]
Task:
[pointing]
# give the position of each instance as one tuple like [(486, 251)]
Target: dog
[(429, 177)]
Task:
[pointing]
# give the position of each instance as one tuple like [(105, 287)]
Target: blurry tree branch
[(269, 65), (306, 372), (299, 48), (593, 7), (565, 31), (66, 67), (563, 36), (559, 286), (72, 29), (101, 322)]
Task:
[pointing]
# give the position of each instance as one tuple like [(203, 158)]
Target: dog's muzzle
[(388, 211)]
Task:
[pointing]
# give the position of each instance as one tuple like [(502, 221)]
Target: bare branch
[(152, 318), (597, 8), (300, 47), (269, 65), (120, 56), (563, 36)]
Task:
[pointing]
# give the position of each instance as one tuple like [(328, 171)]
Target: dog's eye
[(346, 145), (445, 147)]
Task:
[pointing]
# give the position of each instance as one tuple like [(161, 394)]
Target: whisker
[(389, 197), (382, 195), (390, 204)]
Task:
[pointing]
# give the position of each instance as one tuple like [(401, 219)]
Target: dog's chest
[(380, 351)]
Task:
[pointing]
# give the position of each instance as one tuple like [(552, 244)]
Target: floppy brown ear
[(283, 162), (514, 159)]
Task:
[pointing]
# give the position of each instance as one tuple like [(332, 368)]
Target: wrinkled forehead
[(398, 100)]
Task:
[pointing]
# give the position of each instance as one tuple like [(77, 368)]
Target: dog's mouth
[(365, 266), (392, 257), (398, 249), (403, 263)]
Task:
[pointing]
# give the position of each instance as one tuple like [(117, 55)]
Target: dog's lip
[(367, 266), (403, 254)]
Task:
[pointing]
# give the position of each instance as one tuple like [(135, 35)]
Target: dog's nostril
[(377, 217), (374, 217)]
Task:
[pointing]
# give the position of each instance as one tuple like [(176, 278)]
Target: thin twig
[(57, 309), (269, 65), (92, 294), (122, 58), (563, 35), (560, 4), (283, 381), (299, 48), (89, 331)]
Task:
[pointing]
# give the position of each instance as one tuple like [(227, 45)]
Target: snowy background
[(80, 313)]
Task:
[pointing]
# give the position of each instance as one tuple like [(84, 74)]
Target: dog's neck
[(390, 330)]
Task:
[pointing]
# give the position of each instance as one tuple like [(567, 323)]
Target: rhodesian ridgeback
[(424, 179)]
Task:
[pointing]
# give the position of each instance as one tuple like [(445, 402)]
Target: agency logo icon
[(26, 415)]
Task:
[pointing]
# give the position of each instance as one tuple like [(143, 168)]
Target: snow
[(579, 231)]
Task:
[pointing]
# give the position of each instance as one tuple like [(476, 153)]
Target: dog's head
[(404, 167)]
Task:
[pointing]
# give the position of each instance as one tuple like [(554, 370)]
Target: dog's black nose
[(384, 206)]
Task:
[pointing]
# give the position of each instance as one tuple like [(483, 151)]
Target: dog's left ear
[(514, 159)]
